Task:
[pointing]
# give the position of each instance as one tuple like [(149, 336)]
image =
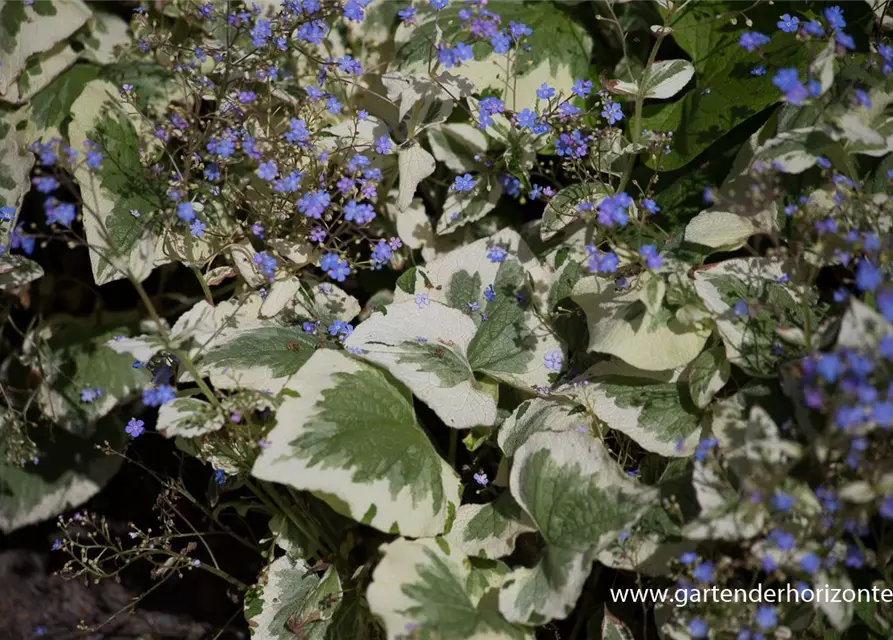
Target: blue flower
[(496, 254), (752, 40), (782, 501), (265, 263), (788, 24), (689, 557), (157, 396), (219, 477), (381, 254), (759, 70), (886, 508), (186, 211), (554, 360), (334, 266), (652, 260), (834, 16), (135, 428), (650, 206), (501, 43), (438, 5), (314, 203), (788, 82), (267, 170), (810, 563), (490, 295), (197, 228), (698, 628), (582, 88), (766, 617), (545, 92), (612, 112), (703, 572), (464, 183), (7, 213), (868, 277), (89, 394)]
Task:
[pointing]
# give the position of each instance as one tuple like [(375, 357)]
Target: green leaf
[(456, 144), (51, 107), (723, 67), (580, 500), (666, 78), (16, 163), (70, 471), (73, 355), (16, 270), (562, 208), (426, 348), (645, 405), (537, 415), (707, 374), (188, 418), (261, 358), (461, 208), (425, 587), (28, 31), (352, 439), (120, 240), (558, 54), (291, 600), (772, 305), (620, 325), (613, 628), (488, 530)]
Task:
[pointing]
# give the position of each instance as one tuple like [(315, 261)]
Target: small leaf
[(562, 208), (415, 164), (652, 294), (665, 79), (707, 374)]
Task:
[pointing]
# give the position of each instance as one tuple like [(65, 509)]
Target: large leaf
[(580, 500), (119, 241), (15, 165), (70, 471), (650, 407), (489, 530), (16, 271), (536, 415), (291, 600), (29, 30), (740, 210), (426, 348), (562, 208), (426, 586), (352, 438), (723, 67), (558, 53), (73, 356), (51, 107), (772, 305), (621, 325)]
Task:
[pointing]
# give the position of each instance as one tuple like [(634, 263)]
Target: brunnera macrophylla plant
[(489, 306)]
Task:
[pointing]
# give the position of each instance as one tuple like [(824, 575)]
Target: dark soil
[(35, 602)]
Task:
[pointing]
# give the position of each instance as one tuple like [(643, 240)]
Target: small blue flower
[(464, 183), (788, 24), (135, 428), (612, 112), (219, 477), (698, 628), (186, 212), (767, 617), (703, 572), (545, 92), (810, 563), (267, 170), (554, 360), (490, 293), (752, 40), (496, 254), (582, 88), (868, 277), (834, 16), (481, 478)]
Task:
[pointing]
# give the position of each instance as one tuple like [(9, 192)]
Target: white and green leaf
[(621, 325), (488, 530), (665, 79), (427, 586), (352, 439), (651, 407), (580, 501)]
